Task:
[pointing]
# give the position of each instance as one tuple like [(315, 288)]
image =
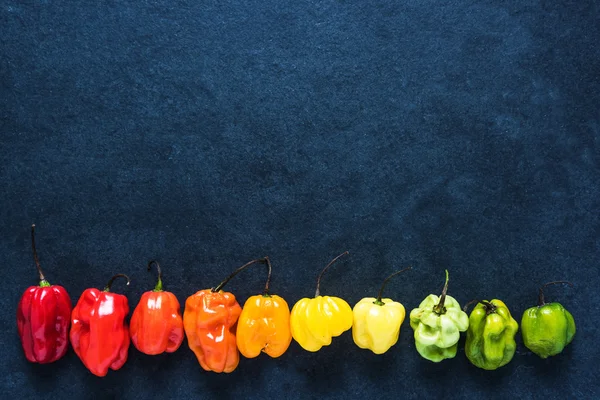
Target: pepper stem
[(439, 308), (378, 301), (110, 282), (541, 300), (490, 307), (318, 292), (237, 271), (159, 285), (43, 281), (266, 291)]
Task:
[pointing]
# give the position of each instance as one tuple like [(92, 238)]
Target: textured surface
[(206, 133)]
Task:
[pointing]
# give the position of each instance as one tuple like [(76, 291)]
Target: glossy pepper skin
[(156, 324), (437, 323), (264, 326), (377, 326), (491, 335), (548, 328), (210, 323), (43, 318), (377, 321), (315, 321), (99, 333)]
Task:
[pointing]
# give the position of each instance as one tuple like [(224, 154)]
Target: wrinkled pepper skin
[(437, 335), (99, 333), (315, 321), (491, 336), (264, 326), (377, 327), (43, 318), (156, 324), (210, 323), (547, 329)]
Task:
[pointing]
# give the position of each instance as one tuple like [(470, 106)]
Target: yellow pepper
[(377, 321), (315, 321), (264, 324)]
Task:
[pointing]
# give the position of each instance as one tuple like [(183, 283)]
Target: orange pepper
[(210, 322), (156, 324), (264, 324)]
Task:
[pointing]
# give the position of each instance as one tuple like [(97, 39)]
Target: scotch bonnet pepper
[(491, 335), (156, 324), (43, 317), (377, 321), (548, 328), (437, 323), (210, 322), (264, 324), (99, 333), (314, 322)]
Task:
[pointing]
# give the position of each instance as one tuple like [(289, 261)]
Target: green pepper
[(491, 335), (548, 328), (437, 323)]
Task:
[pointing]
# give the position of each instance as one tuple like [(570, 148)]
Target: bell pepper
[(43, 317), (377, 321), (548, 328), (437, 323), (99, 333), (264, 324), (314, 322), (491, 335), (156, 324), (210, 322)]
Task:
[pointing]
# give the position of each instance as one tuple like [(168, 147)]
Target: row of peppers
[(218, 329)]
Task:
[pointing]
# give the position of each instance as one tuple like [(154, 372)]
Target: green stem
[(439, 309), (159, 285), (490, 307), (43, 281), (318, 292), (110, 282), (378, 301)]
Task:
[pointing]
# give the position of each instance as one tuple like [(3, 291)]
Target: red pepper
[(99, 333), (156, 324), (43, 316)]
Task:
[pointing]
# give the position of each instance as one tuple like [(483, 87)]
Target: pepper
[(156, 324), (437, 323), (43, 317), (548, 328), (491, 335), (210, 322), (377, 321), (264, 324), (314, 322), (99, 333)]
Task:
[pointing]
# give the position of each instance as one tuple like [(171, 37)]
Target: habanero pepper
[(491, 335), (99, 333), (314, 322), (548, 328), (210, 322), (437, 323), (43, 317), (156, 324), (264, 324), (377, 321)]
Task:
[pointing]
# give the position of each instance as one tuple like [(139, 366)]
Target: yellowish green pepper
[(315, 321), (491, 335), (548, 328), (437, 323), (377, 321)]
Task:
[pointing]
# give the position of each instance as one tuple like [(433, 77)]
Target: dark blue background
[(459, 135)]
